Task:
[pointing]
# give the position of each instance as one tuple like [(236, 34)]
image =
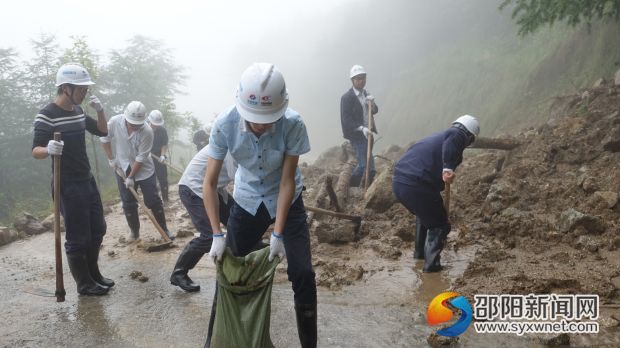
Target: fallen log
[(494, 143)]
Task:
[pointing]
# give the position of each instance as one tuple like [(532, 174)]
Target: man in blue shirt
[(266, 139), (420, 176)]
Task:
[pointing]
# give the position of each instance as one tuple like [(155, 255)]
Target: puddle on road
[(385, 309)]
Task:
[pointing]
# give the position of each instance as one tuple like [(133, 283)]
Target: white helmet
[(156, 118), (74, 74), (261, 95), (470, 123), (357, 70), (135, 113)]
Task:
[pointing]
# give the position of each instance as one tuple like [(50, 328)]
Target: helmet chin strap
[(70, 96)]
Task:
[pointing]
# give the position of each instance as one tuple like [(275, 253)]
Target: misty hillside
[(429, 62)]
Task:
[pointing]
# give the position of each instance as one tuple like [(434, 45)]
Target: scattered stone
[(7, 235), (182, 233), (135, 274), (143, 279), (598, 83), (434, 340), (111, 253), (561, 340), (48, 223), (611, 143), (344, 232), (28, 224), (570, 219), (379, 196), (609, 197)]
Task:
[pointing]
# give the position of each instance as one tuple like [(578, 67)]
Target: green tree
[(532, 14), (41, 76), (145, 70)]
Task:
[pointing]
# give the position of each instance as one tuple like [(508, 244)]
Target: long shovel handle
[(446, 202), (60, 285), (167, 164), (369, 148), (144, 208)]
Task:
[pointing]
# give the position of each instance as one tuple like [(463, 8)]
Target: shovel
[(148, 212)]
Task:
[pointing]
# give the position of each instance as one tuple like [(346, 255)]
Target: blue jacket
[(352, 116), (425, 160)]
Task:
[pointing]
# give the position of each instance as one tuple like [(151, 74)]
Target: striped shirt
[(72, 124)]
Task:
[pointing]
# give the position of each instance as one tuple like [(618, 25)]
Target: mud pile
[(544, 216)]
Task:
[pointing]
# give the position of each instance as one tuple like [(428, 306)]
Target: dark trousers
[(148, 187), (81, 208), (245, 230), (161, 172), (196, 209), (424, 201), (360, 146)]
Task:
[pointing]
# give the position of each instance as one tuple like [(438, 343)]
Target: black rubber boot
[(164, 193), (133, 220), (306, 324), (420, 240), (355, 181), (85, 283), (160, 216), (435, 241), (92, 256), (187, 260)]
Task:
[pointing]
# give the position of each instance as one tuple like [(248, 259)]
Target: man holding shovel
[(80, 202), (419, 177), (355, 124), (159, 151), (133, 140), (265, 138)]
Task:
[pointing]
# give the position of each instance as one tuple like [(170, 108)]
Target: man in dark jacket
[(419, 177), (354, 119)]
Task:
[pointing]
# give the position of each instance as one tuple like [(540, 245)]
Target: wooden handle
[(369, 148), (446, 202), (60, 286), (168, 165), (146, 210), (354, 218)]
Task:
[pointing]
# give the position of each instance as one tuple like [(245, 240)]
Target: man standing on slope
[(80, 202)]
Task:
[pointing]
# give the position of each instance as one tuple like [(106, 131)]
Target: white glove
[(276, 246), (366, 131), (55, 147), (217, 247), (129, 183), (162, 158), (370, 97), (94, 102), (113, 163)]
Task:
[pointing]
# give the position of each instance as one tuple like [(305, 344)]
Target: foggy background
[(314, 43)]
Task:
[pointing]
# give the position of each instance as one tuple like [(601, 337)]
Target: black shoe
[(420, 240), (92, 256), (306, 324), (78, 265), (187, 260)]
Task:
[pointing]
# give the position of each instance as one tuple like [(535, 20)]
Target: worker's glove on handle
[(94, 102), (366, 131), (162, 158), (276, 246), (129, 183), (113, 163), (54, 147), (370, 98), (217, 247)]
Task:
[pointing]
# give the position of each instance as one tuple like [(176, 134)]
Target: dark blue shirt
[(426, 159)]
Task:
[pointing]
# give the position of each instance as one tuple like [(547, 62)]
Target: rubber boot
[(355, 181), (420, 240), (187, 260), (92, 256), (85, 283), (160, 216), (306, 324), (164, 193), (133, 220), (435, 240)]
